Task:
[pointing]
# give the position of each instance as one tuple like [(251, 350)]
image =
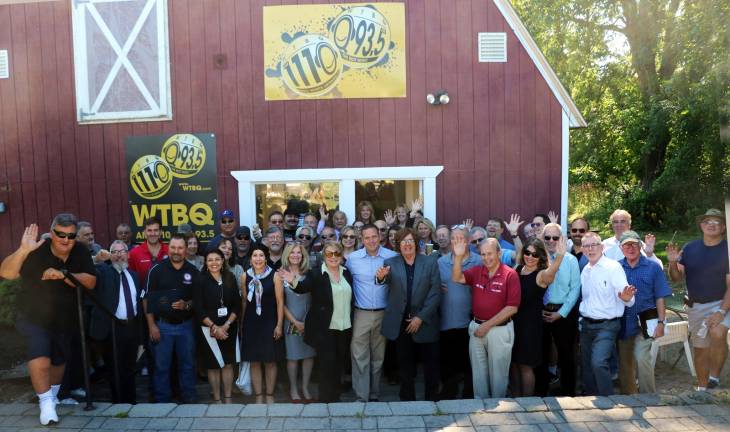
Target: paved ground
[(685, 413)]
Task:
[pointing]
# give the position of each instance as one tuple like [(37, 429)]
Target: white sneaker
[(68, 401), (48, 412)]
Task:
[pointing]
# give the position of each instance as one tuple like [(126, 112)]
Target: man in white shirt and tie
[(606, 293), (118, 288)]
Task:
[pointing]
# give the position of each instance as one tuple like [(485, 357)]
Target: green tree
[(651, 77)]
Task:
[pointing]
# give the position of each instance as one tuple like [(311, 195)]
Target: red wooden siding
[(499, 139)]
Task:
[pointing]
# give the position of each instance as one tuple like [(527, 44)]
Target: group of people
[(492, 310)]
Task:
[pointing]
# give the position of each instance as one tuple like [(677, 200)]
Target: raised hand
[(458, 246), (561, 247), (628, 293), (514, 224), (389, 217), (469, 223), (29, 241), (553, 217), (102, 256), (416, 206), (322, 212), (649, 244), (673, 252), (286, 275)]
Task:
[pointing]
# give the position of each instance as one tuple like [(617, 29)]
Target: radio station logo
[(182, 156)]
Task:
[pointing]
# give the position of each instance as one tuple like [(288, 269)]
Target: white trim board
[(247, 181), (547, 72)]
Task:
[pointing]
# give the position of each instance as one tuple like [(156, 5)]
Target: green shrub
[(8, 291)]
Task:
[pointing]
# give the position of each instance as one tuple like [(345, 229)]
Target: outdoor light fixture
[(3, 209), (438, 98)]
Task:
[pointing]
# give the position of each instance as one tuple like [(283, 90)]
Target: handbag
[(648, 328), (244, 378)]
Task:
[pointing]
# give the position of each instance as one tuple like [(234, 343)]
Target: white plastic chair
[(676, 332)]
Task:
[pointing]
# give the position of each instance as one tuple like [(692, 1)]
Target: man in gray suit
[(411, 318)]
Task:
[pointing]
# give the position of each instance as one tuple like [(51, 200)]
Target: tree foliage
[(652, 78)]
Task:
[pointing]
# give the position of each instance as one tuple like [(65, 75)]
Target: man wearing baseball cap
[(642, 322), (704, 265), (228, 227), (243, 246)]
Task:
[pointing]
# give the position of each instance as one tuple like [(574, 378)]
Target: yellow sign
[(354, 50)]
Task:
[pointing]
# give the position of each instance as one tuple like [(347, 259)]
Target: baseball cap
[(227, 213), (243, 230), (629, 236)]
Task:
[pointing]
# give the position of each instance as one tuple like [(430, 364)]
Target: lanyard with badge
[(222, 310)]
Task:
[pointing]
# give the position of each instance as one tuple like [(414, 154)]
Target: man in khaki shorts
[(704, 264)]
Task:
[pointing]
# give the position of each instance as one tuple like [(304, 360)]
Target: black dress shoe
[(373, 400)]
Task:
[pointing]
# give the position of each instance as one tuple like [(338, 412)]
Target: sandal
[(227, 400), (269, 398), (259, 398), (217, 401)]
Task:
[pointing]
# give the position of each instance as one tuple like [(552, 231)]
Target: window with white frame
[(401, 184), (121, 60)]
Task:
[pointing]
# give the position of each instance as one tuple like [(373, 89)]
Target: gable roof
[(547, 72)]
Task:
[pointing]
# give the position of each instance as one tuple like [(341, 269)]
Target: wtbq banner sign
[(172, 177), (349, 50)]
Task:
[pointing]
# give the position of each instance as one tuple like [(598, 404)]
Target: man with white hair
[(620, 223)]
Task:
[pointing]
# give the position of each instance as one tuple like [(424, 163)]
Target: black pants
[(331, 357), (454, 346), (406, 350), (564, 332), (125, 362)]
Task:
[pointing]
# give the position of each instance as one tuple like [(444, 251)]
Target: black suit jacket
[(425, 298), (318, 319), (107, 292)]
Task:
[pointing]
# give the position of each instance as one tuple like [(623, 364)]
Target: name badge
[(222, 312)]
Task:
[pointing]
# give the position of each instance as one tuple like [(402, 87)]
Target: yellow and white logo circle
[(310, 66), (362, 36), (150, 177), (185, 154)]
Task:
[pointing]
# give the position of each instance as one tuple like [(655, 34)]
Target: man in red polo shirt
[(149, 253), (495, 296)]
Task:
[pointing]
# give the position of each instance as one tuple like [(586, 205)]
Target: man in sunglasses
[(291, 222), (621, 222), (703, 263), (578, 228), (559, 321), (243, 246), (382, 231), (47, 302), (228, 228)]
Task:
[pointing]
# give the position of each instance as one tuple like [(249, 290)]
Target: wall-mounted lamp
[(438, 98), (3, 208)]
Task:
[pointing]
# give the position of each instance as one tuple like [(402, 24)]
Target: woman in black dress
[(217, 305), (263, 321), (535, 276)]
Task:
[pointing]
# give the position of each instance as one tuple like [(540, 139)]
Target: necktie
[(127, 295)]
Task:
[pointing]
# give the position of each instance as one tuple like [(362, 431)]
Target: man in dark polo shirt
[(47, 302), (168, 307), (495, 294)]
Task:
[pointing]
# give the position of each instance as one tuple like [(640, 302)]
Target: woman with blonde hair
[(294, 268), (426, 234), (349, 240), (365, 212)]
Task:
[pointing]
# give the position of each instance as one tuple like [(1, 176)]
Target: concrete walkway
[(685, 413)]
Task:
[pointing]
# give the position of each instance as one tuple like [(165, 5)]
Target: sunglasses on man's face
[(304, 237), (330, 236), (61, 234), (577, 230), (243, 237), (227, 221), (553, 238), (477, 241)]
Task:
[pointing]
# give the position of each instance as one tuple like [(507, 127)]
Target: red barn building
[(499, 146)]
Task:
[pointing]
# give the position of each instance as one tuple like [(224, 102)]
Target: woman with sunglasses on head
[(217, 301), (191, 251), (226, 246), (348, 238), (535, 276), (328, 325), (263, 323), (295, 264)]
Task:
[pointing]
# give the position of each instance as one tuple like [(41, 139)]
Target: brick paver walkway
[(685, 413)]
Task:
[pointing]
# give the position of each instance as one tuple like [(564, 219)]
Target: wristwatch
[(660, 322)]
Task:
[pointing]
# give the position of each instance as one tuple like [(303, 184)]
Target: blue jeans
[(597, 344), (177, 339)]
